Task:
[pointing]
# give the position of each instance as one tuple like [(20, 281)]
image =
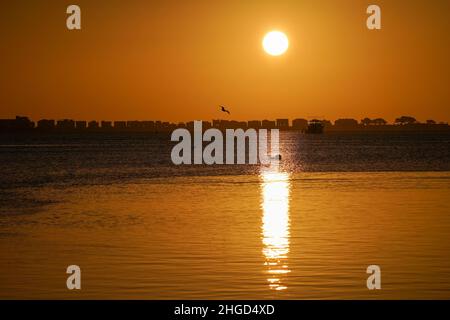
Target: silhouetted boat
[(315, 126)]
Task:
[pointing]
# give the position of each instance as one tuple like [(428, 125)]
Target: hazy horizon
[(228, 118)]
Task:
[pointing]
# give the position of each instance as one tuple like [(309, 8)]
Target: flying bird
[(223, 109)]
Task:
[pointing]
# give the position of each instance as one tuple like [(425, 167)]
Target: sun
[(275, 43)]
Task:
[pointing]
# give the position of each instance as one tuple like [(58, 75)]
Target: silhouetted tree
[(379, 122), (327, 123), (405, 120), (366, 121), (431, 122)]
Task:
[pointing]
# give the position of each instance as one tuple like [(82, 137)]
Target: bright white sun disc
[(275, 43)]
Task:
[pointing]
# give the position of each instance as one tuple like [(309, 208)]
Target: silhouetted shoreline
[(402, 124)]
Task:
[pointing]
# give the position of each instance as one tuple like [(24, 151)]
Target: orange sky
[(178, 60)]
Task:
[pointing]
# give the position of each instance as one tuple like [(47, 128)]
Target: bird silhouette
[(223, 109)]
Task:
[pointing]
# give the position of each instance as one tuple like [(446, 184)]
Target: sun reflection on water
[(275, 227)]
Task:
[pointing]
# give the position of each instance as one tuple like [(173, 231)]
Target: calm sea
[(140, 227)]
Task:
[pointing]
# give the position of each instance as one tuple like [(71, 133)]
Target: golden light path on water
[(275, 226)]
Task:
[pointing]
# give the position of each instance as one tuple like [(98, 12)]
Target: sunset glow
[(275, 43)]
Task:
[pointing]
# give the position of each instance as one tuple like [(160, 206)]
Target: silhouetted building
[(283, 124), (65, 124), (327, 124), (216, 124), (45, 124), (268, 124), (403, 124), (93, 125), (222, 124), (24, 122), (172, 127), (225, 124), (80, 125), (134, 125), (242, 125), (148, 126), (165, 126), (299, 124), (206, 125), (315, 127), (120, 125), (346, 123), (106, 125), (17, 124), (190, 125), (254, 124), (158, 126)]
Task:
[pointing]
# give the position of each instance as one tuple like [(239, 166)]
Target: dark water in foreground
[(140, 227)]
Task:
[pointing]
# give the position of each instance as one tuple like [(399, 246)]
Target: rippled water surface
[(140, 227)]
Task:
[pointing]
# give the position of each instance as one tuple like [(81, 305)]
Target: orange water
[(273, 235)]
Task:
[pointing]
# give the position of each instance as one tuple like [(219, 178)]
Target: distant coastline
[(401, 124)]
